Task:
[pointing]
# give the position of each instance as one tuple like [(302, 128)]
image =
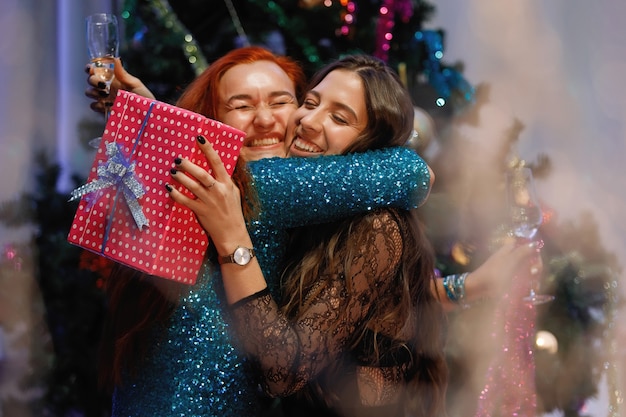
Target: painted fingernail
[(108, 104), (201, 139), (102, 85), (178, 161), (168, 188), (173, 171), (102, 93)]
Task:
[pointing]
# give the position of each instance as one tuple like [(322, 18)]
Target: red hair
[(201, 95), (135, 302)]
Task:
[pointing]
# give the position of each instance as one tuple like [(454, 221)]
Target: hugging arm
[(297, 191)]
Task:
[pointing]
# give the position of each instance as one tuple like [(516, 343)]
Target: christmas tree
[(167, 44), (68, 285)]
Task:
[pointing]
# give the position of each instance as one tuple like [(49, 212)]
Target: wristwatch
[(241, 256)]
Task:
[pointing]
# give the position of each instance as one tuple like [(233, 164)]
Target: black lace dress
[(330, 347)]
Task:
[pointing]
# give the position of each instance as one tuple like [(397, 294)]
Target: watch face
[(242, 256)]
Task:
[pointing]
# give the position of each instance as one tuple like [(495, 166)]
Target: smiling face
[(331, 118), (257, 98)]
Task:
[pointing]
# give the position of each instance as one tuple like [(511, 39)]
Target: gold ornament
[(461, 254), (309, 4), (424, 127)]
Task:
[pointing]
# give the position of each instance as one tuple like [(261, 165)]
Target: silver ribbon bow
[(116, 171)]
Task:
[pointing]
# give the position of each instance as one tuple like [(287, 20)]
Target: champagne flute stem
[(107, 110)]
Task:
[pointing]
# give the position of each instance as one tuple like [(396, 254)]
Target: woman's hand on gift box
[(122, 81), (217, 202)]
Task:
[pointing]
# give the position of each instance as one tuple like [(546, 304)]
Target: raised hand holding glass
[(103, 46), (525, 215)]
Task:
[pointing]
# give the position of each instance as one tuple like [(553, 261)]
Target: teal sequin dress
[(192, 367)]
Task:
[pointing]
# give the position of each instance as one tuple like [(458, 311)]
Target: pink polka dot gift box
[(125, 212)]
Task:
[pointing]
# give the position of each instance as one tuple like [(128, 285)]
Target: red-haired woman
[(168, 350)]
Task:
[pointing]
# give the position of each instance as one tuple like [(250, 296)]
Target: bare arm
[(493, 278)]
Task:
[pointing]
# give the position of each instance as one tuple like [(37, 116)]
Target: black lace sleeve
[(290, 352)]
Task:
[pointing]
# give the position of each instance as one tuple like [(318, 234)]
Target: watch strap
[(230, 258)]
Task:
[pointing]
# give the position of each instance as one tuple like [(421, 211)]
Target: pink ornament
[(10, 252)]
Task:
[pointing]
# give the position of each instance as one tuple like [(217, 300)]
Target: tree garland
[(189, 46), (163, 11)]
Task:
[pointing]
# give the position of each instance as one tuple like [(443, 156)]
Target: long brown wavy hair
[(138, 302), (331, 247)]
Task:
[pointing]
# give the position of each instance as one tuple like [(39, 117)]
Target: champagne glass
[(103, 46), (525, 216)]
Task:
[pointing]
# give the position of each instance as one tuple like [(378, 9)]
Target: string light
[(190, 47)]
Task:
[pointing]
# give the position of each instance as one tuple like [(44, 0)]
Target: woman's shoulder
[(382, 218), (380, 226)]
